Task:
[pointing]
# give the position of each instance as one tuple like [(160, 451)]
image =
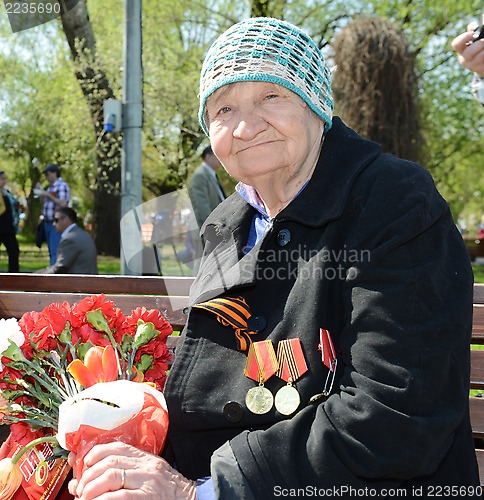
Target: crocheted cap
[(268, 50)]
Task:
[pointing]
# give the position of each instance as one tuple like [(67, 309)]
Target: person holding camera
[(469, 47)]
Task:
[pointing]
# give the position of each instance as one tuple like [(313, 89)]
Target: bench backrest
[(20, 293), (476, 403)]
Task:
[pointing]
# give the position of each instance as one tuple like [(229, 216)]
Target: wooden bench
[(476, 402), (20, 293)]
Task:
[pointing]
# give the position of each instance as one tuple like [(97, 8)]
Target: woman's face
[(259, 128)]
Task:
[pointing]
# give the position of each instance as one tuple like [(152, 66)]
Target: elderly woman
[(327, 344)]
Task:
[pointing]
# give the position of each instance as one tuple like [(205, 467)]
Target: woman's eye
[(220, 111), (271, 96)]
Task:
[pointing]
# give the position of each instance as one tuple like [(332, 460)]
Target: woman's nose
[(248, 126)]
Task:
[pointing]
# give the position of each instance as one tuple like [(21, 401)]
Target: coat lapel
[(223, 263)]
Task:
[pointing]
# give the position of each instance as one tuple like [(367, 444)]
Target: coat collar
[(343, 156)]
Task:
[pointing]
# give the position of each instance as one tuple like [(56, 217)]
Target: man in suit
[(77, 253), (205, 193), (204, 189)]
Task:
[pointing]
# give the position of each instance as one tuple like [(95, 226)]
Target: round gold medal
[(287, 400), (259, 400)]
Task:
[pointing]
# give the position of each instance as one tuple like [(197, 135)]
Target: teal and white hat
[(268, 50)]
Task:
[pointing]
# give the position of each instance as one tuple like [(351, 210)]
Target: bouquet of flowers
[(71, 376)]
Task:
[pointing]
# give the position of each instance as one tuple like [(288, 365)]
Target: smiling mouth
[(265, 143)]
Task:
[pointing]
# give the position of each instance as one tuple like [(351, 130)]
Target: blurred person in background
[(77, 253), (57, 194), (9, 219), (205, 189)]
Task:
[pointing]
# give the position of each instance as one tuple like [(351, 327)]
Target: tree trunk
[(96, 88)]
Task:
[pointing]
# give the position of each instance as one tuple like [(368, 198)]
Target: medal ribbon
[(328, 354), (261, 361), (292, 364), (234, 312)]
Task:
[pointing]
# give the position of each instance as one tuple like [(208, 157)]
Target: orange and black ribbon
[(290, 356), (234, 312)]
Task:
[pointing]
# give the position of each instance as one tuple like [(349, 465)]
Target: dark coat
[(369, 251)]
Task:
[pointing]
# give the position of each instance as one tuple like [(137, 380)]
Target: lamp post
[(131, 171)]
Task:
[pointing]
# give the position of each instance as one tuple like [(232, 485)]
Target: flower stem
[(35, 442)]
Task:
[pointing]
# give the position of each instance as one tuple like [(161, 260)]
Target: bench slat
[(480, 463), (478, 324), (477, 369), (15, 304), (476, 407), (478, 293), (91, 284)]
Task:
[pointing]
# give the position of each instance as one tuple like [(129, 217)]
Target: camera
[(478, 29), (479, 33)]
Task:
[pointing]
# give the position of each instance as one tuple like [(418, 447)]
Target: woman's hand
[(119, 471)]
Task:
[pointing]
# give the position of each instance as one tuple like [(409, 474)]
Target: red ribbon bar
[(328, 354), (261, 361)]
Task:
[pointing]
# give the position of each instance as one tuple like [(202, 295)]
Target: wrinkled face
[(260, 128)]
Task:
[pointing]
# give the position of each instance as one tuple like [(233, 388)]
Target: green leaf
[(65, 336), (126, 343), (98, 321), (83, 348), (14, 353), (144, 333), (145, 363)]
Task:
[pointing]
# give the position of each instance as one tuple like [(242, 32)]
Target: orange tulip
[(100, 365), (10, 478)]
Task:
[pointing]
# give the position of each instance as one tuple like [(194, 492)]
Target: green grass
[(478, 273), (33, 258)]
